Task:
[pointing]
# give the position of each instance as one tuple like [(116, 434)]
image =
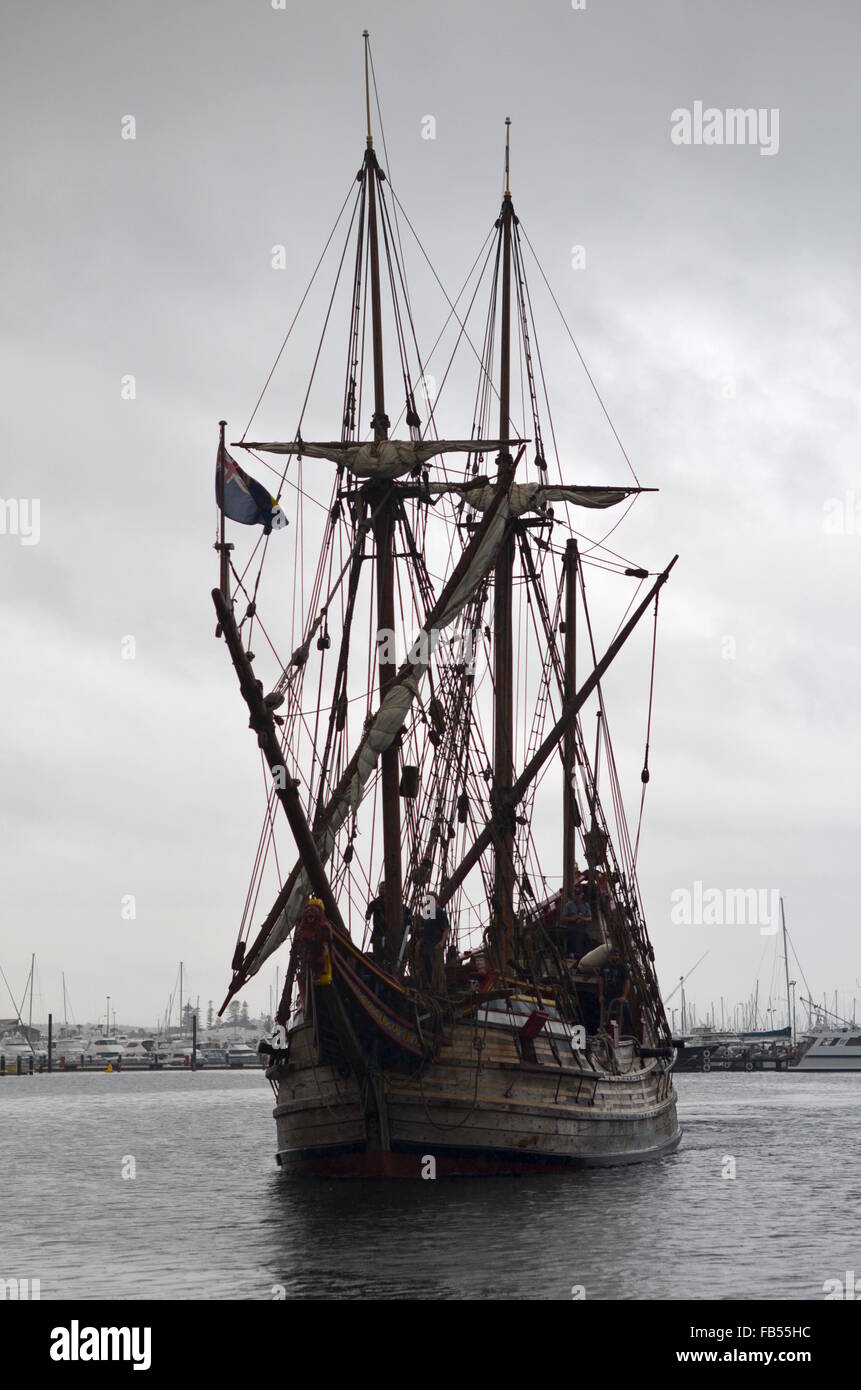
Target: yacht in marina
[(103, 1050), (831, 1049)]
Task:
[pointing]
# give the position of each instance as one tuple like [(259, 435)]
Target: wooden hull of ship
[(512, 1116)]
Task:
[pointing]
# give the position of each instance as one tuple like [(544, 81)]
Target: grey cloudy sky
[(718, 310)]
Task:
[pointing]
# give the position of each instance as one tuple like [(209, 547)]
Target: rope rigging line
[(388, 168), (599, 545), (298, 311), (643, 957), (582, 359), (324, 637), (265, 842), (394, 263), (644, 775), (316, 362), (442, 286), (284, 482), (525, 284), (526, 349), (348, 419)]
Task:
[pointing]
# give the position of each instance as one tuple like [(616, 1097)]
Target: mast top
[(366, 36), (507, 149)]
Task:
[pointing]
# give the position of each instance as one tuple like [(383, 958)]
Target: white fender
[(593, 960)]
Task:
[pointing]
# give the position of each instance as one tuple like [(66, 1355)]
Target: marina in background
[(28, 1048)]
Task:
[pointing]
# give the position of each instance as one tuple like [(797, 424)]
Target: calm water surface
[(208, 1215)]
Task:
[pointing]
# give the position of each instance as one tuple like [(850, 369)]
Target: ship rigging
[(433, 694)]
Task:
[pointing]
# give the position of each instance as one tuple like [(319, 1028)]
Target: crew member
[(614, 986), (576, 914), (376, 913), (435, 929)]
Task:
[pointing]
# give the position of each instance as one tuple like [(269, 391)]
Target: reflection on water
[(208, 1215)]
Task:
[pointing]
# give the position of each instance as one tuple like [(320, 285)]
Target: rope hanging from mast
[(645, 774)]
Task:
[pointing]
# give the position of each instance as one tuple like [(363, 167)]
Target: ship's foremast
[(384, 516)]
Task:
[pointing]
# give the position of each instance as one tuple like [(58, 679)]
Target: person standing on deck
[(376, 913), (435, 929), (614, 986), (576, 918)]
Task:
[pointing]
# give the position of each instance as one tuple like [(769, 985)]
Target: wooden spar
[(224, 554), (503, 669), (264, 726), (569, 746), (569, 712), (385, 574)]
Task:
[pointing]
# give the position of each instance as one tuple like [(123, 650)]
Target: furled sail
[(474, 564), (381, 458), (534, 497)]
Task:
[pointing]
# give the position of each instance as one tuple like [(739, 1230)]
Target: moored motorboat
[(831, 1049)]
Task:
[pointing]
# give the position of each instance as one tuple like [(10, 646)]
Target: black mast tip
[(370, 139)]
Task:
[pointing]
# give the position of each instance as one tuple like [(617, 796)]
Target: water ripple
[(208, 1215)]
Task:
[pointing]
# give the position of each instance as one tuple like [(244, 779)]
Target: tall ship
[(468, 981)]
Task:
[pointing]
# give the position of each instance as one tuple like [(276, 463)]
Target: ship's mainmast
[(383, 539), (503, 761)]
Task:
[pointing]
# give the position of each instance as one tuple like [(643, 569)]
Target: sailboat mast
[(180, 999), (383, 541), (503, 671), (569, 748), (786, 964), (32, 975)]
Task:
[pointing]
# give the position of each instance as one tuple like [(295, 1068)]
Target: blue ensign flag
[(246, 500)]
